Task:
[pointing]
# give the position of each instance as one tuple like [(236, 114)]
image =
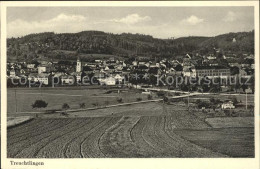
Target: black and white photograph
[(126, 82)]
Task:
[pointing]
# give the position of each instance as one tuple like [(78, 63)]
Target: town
[(141, 71)]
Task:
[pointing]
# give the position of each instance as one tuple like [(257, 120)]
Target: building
[(79, 65), (110, 81), (44, 69), (78, 76), (228, 105), (30, 66), (43, 78), (67, 79), (13, 73), (211, 71), (119, 78)]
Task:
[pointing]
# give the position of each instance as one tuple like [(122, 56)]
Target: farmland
[(144, 130), (20, 99)]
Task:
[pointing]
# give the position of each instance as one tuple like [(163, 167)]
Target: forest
[(67, 45)]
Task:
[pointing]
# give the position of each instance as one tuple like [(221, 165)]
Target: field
[(144, 130), (22, 98)]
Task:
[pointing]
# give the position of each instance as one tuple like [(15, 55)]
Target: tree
[(119, 100), (39, 104), (234, 70), (149, 97), (139, 99), (95, 104), (165, 99), (82, 105), (65, 107)]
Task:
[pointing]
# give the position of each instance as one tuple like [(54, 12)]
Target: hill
[(45, 45)]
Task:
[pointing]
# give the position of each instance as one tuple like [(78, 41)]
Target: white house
[(67, 79), (43, 78), (44, 69), (30, 66), (109, 81), (13, 73), (118, 78), (228, 105)]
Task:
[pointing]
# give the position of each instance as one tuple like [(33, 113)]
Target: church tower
[(79, 66)]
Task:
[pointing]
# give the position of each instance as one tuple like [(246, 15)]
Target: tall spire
[(79, 65)]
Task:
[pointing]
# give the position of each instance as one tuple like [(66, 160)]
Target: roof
[(111, 67), (210, 67), (39, 75)]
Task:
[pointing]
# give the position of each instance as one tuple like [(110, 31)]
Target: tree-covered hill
[(126, 44)]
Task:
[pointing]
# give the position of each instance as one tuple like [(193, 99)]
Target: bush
[(108, 92), (82, 105), (227, 112), (198, 101), (119, 100), (65, 106), (139, 99), (165, 99), (95, 104), (39, 104), (64, 113), (149, 97), (203, 104), (160, 94)]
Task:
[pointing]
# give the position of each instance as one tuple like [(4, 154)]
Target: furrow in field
[(32, 150), (73, 149), (137, 134), (84, 152), (68, 151), (90, 146), (117, 142), (57, 147), (43, 127), (28, 127), (20, 145), (44, 152), (150, 136)]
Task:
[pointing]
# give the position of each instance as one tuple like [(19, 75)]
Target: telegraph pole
[(189, 101), (246, 99), (15, 100)]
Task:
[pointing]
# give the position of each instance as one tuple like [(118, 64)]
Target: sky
[(160, 22)]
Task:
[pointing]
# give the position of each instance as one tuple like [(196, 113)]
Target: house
[(135, 63), (242, 73), (99, 75), (43, 78), (211, 57), (30, 66), (108, 81), (44, 69), (109, 68), (228, 105), (189, 72), (119, 78), (67, 79), (13, 73), (211, 71)]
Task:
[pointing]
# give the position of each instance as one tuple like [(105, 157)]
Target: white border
[(165, 163)]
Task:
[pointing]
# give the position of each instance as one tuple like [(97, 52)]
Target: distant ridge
[(126, 44)]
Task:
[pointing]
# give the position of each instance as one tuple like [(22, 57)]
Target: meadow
[(19, 100)]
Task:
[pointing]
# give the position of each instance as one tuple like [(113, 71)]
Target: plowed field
[(171, 133)]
